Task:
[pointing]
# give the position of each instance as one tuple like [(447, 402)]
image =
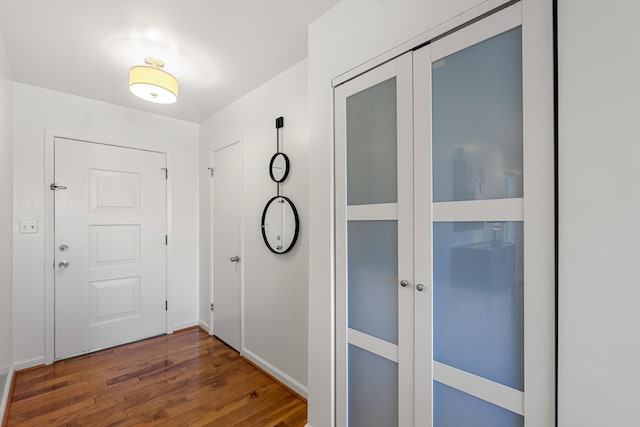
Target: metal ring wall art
[(280, 222)]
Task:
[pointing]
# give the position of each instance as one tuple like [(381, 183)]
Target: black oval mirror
[(280, 225), (279, 167)]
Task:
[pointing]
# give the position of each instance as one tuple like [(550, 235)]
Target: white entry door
[(110, 246), (227, 262)]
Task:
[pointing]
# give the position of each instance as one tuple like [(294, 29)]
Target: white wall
[(353, 32), (6, 229), (275, 286), (36, 110), (599, 213)]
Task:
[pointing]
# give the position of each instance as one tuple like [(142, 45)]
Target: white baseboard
[(204, 325), (29, 363), (4, 398), (183, 325), (277, 373)]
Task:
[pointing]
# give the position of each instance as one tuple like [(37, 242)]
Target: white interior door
[(374, 248), (110, 246), (470, 204), (441, 319), (227, 261), (483, 342)]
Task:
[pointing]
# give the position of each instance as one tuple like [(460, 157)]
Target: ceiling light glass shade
[(153, 84)]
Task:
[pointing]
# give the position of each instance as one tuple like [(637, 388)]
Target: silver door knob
[(404, 283), (420, 287), (63, 264), (234, 259)]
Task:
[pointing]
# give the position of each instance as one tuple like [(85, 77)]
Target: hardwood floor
[(184, 379)]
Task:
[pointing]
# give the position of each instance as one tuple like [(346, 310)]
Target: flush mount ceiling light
[(151, 83)]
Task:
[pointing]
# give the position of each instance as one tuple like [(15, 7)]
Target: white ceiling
[(219, 50)]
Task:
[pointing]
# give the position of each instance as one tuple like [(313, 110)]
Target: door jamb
[(49, 237)]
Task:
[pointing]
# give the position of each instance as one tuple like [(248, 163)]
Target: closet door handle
[(404, 283), (420, 287)]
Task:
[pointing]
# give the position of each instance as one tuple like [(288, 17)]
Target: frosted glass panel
[(478, 299), (454, 408), (371, 145), (373, 390), (373, 278), (477, 121)]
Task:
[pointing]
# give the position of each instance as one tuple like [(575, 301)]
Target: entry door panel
[(110, 250)]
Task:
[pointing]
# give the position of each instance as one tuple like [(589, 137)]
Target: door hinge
[(211, 172), (166, 173), (166, 305), (211, 306), (56, 187), (166, 240)]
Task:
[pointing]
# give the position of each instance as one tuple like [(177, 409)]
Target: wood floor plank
[(183, 379)]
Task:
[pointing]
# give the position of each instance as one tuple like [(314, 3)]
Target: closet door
[(478, 305), (374, 248)]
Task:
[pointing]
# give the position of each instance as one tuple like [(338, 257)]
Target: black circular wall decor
[(280, 225), (279, 167)]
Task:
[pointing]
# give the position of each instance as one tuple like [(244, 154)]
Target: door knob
[(420, 287), (63, 264), (234, 259), (404, 283)]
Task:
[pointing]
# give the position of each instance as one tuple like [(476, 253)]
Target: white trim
[(49, 239), (478, 32), (463, 18), (383, 211), (4, 399), (423, 301), (482, 388), (339, 259), (29, 363), (277, 373), (539, 230), (49, 242), (374, 345), (183, 325), (381, 73), (242, 247), (479, 210), (210, 258), (405, 183), (169, 327), (204, 325)]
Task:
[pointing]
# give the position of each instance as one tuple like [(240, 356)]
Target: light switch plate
[(28, 227)]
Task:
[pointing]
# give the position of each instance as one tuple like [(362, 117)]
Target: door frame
[(49, 229), (538, 97), (236, 140)]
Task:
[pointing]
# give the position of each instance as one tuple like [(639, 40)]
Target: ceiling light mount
[(151, 83), (154, 62)]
